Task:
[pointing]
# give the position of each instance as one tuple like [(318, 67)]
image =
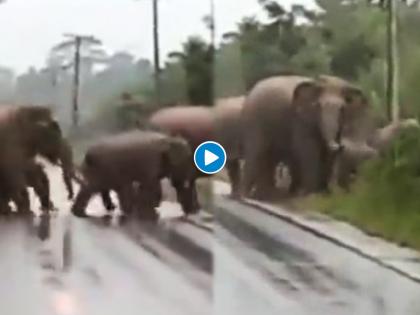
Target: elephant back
[(130, 155), (194, 123)]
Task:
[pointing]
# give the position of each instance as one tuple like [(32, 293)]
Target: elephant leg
[(38, 180), (254, 152), (107, 201), (150, 198), (126, 198), (344, 171), (311, 168), (234, 172), (21, 199), (5, 207), (67, 178), (187, 195), (295, 182), (156, 194), (250, 176), (265, 184), (16, 184), (81, 201), (195, 204)]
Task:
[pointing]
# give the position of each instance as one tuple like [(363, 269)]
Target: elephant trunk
[(331, 126), (78, 177)]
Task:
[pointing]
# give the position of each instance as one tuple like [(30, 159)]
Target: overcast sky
[(31, 27)]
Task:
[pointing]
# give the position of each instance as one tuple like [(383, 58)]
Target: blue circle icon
[(210, 157)]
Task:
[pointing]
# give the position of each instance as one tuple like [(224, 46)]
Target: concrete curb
[(396, 262), (403, 261)]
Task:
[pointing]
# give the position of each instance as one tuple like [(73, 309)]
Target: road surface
[(241, 262), (65, 265), (289, 270)]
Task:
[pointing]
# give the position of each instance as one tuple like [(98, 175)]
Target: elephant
[(22, 131), (140, 157), (61, 154), (298, 121), (198, 124), (355, 153)]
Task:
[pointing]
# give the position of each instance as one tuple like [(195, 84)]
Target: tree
[(196, 59)]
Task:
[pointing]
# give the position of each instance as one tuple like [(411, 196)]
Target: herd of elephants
[(319, 128)]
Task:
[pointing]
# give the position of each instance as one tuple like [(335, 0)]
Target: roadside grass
[(385, 198)]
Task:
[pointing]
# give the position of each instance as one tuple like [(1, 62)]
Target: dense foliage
[(384, 199)]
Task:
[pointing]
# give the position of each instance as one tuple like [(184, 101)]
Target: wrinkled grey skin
[(142, 157), (355, 153), (298, 121), (198, 124)]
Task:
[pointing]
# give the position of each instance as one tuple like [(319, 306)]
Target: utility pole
[(212, 49), (156, 51), (77, 41), (76, 77), (392, 62), (212, 24)]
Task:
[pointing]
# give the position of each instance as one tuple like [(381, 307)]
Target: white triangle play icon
[(209, 157)]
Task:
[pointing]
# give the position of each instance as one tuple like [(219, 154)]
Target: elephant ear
[(306, 94), (29, 114)]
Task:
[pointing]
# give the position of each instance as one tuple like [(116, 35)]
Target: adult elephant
[(198, 124), (142, 157), (22, 130), (298, 121), (44, 138), (357, 152)]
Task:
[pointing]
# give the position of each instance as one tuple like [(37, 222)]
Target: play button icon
[(210, 157)]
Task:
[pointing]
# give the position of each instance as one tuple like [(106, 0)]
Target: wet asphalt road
[(244, 262), (287, 270), (64, 265)]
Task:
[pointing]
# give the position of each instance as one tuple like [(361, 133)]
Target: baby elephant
[(355, 153), (136, 157)]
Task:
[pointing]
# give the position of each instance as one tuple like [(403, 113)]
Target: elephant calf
[(355, 153), (141, 157)]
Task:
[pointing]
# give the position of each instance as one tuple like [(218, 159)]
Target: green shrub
[(385, 198)]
